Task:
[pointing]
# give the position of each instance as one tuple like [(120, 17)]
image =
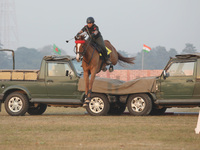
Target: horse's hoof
[(111, 69), (85, 105), (104, 69), (87, 101)]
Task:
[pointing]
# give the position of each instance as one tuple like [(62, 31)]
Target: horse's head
[(80, 51)]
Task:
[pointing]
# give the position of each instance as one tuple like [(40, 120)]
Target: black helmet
[(90, 20)]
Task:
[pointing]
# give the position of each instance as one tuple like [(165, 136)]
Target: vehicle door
[(179, 81), (61, 81)]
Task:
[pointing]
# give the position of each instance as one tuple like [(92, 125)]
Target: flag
[(56, 49), (146, 48)]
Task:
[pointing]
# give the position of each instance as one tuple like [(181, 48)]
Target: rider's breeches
[(101, 43)]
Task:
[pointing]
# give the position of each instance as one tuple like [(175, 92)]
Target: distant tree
[(27, 58), (172, 52), (189, 48), (121, 65), (155, 59), (138, 61), (48, 50), (123, 53), (5, 61)]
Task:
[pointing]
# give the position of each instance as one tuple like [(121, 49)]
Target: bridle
[(84, 49)]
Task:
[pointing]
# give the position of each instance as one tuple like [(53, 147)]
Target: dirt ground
[(72, 128)]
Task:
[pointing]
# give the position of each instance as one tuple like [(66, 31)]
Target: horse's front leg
[(86, 78), (93, 74)]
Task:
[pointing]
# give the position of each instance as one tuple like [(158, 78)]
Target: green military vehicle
[(59, 82)]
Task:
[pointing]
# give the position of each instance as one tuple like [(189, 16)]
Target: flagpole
[(142, 59)]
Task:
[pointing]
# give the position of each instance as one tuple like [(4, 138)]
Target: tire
[(99, 105), (157, 112), (39, 110), (16, 104), (117, 108), (139, 104)]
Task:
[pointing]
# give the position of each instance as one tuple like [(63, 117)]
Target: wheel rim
[(15, 104), (138, 104), (96, 105)]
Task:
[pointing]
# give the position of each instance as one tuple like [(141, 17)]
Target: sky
[(127, 24)]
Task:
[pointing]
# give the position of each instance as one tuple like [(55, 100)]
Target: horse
[(92, 62)]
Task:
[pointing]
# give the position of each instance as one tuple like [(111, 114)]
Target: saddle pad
[(108, 51)]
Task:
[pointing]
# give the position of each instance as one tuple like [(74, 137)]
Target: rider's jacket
[(92, 30)]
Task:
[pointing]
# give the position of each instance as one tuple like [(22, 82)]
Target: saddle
[(99, 50)]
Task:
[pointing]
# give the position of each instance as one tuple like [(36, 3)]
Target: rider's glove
[(92, 35), (77, 35)]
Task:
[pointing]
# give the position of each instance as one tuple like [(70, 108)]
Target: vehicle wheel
[(117, 108), (139, 104), (158, 112), (99, 105), (16, 104), (38, 110)]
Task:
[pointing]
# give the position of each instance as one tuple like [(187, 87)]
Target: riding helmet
[(90, 20)]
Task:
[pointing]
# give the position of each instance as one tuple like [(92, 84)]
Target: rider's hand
[(77, 35), (92, 35)]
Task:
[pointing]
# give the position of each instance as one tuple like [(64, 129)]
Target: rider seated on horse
[(94, 33)]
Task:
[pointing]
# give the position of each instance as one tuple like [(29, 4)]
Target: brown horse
[(92, 63)]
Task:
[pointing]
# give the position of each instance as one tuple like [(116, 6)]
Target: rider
[(94, 33)]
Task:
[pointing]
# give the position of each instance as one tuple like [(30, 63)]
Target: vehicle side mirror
[(165, 74), (67, 72)]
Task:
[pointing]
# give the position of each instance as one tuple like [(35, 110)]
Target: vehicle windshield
[(77, 66), (181, 69)]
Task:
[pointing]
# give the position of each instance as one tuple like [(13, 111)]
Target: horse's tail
[(129, 60)]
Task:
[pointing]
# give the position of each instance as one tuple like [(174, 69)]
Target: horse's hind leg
[(104, 69), (111, 68)]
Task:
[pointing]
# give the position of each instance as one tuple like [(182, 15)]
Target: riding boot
[(101, 43), (105, 55)]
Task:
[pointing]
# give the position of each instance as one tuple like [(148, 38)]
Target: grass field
[(70, 128)]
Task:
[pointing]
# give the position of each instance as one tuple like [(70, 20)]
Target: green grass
[(70, 128)]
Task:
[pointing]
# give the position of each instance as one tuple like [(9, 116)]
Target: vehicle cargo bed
[(19, 74)]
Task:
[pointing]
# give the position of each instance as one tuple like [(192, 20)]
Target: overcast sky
[(128, 24)]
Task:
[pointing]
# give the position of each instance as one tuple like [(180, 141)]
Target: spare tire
[(117, 108), (38, 110)]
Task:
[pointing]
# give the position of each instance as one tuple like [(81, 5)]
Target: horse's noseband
[(81, 42)]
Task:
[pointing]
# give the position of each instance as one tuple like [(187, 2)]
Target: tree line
[(30, 58), (156, 59)]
